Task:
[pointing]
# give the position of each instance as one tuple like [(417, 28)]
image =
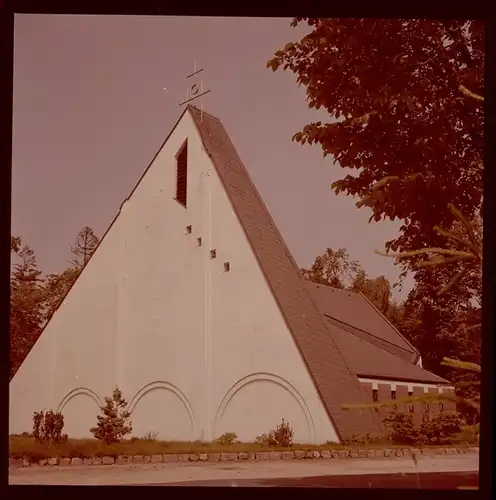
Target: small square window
[(199, 242), (213, 254), (227, 267), (188, 229)]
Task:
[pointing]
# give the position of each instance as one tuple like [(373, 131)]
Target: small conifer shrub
[(114, 423)]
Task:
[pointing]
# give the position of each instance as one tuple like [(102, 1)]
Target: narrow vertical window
[(411, 408), (375, 397), (182, 174), (393, 398)]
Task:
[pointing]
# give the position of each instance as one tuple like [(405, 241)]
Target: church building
[(193, 305)]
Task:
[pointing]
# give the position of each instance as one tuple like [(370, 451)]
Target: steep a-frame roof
[(335, 381)]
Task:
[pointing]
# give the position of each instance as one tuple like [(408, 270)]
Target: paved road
[(424, 481), (230, 473)]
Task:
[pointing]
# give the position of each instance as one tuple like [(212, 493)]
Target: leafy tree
[(114, 423), (34, 299), (47, 427), (56, 287), (26, 307), (333, 268), (377, 290), (406, 99), (15, 244), (395, 91), (84, 247), (463, 248)]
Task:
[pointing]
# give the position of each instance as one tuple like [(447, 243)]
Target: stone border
[(251, 456)]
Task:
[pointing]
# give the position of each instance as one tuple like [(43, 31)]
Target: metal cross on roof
[(195, 88)]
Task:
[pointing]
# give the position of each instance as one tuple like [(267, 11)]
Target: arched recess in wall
[(78, 392), (171, 419), (80, 408), (260, 378)]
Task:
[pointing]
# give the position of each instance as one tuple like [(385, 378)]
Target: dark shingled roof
[(354, 313), (369, 361)]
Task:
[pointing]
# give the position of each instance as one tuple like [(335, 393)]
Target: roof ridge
[(368, 333), (383, 317), (329, 286), (196, 108)]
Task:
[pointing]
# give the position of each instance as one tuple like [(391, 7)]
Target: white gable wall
[(128, 319), (196, 351), (76, 350), (162, 296), (253, 353)]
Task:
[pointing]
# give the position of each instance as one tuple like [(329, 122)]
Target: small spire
[(195, 89)]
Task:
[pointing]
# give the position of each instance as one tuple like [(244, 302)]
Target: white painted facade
[(197, 351)]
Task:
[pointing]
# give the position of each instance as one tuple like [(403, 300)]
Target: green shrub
[(265, 439), (401, 428), (227, 439), (114, 424), (435, 429), (441, 428), (47, 427), (281, 436), (468, 434)]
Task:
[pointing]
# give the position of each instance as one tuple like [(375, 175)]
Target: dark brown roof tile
[(369, 361), (354, 309)]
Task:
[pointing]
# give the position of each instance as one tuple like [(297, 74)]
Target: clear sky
[(90, 112)]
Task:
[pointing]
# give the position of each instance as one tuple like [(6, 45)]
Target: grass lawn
[(27, 447)]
